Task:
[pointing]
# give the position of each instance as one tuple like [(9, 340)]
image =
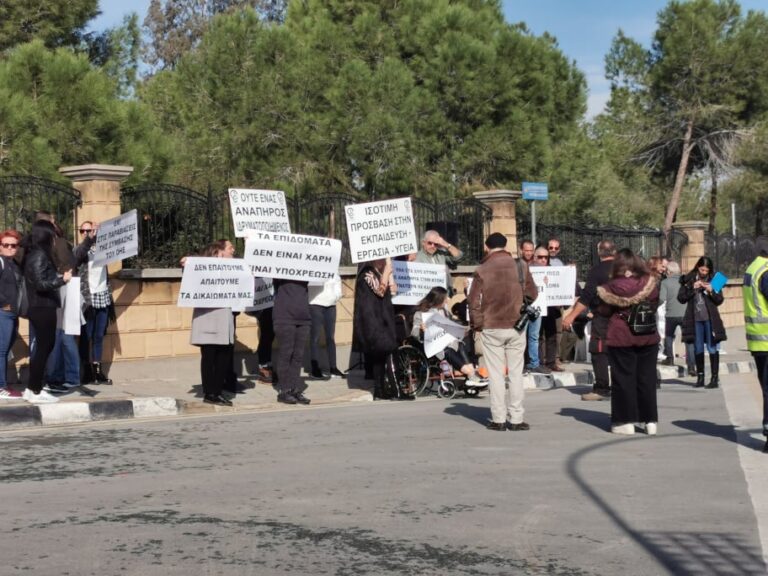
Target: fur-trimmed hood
[(619, 301)]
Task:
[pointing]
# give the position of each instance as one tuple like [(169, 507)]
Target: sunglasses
[(431, 243), (85, 231), (540, 257), (4, 245)]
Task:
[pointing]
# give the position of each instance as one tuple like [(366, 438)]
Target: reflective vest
[(756, 306)]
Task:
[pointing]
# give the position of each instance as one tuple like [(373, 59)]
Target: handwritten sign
[(382, 229), (258, 211), (310, 259), (117, 238), (560, 283), (439, 333), (414, 280), (216, 283)]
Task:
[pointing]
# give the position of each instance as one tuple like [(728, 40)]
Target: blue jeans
[(9, 325), (534, 329), (64, 362), (704, 337), (92, 335)]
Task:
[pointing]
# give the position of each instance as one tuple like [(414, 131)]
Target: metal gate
[(22, 196)]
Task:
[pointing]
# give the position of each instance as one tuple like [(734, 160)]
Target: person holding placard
[(435, 250), (292, 320), (96, 301), (213, 330), (455, 353), (43, 283), (702, 324), (373, 330)]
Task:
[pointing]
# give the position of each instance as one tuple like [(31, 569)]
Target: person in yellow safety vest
[(755, 292)]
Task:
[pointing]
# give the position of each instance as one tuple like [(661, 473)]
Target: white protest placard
[(414, 280), (439, 332), (216, 283), (382, 229), (540, 279), (312, 259), (71, 296), (263, 295), (258, 211), (116, 239), (560, 282)]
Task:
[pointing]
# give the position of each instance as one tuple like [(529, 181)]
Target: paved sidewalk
[(171, 387)]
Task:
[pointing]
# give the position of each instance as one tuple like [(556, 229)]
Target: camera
[(527, 314)]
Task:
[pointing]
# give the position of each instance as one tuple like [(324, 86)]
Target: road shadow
[(599, 420), (725, 432), (479, 414)]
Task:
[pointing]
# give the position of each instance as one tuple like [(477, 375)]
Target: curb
[(30, 415)]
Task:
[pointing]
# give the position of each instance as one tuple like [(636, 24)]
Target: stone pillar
[(502, 203), (99, 186), (696, 247)]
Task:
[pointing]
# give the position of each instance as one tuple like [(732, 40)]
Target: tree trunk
[(677, 191), (713, 201)]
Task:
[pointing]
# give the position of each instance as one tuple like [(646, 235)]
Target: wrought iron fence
[(22, 196), (731, 254), (579, 243), (176, 221)]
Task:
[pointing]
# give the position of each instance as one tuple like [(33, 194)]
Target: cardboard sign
[(541, 281), (116, 239), (263, 295), (258, 211), (71, 297), (414, 280), (560, 281), (310, 259), (382, 229), (439, 332), (216, 283)]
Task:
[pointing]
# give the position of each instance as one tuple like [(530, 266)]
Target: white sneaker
[(627, 429), (476, 381), (651, 428), (42, 398)]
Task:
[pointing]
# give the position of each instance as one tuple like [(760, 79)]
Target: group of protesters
[(36, 268)]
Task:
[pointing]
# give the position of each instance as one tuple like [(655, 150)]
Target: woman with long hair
[(43, 283), (455, 353), (632, 356), (702, 324)]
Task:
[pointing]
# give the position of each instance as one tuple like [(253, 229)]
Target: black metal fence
[(176, 221), (579, 243), (731, 254), (22, 196)]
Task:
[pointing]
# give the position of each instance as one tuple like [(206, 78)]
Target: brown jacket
[(496, 295)]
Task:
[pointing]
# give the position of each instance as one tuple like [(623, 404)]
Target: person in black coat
[(292, 319), (373, 323), (702, 324), (43, 283)]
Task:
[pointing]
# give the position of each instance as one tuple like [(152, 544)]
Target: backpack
[(641, 318)]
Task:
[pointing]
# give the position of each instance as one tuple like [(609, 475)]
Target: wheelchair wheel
[(446, 389), (410, 370)]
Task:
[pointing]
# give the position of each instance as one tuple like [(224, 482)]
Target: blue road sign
[(535, 191)]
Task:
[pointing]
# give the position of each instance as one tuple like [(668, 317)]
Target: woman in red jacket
[(632, 356)]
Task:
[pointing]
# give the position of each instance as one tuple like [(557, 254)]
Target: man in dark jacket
[(597, 276), (495, 301)]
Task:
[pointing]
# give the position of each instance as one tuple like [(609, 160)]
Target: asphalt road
[(416, 488)]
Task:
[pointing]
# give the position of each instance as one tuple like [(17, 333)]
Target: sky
[(583, 28)]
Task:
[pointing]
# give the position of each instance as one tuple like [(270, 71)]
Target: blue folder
[(718, 281)]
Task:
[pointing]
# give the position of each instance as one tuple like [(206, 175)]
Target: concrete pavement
[(171, 387)]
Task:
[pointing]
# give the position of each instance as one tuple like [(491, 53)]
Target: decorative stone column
[(99, 186), (696, 247), (502, 204)]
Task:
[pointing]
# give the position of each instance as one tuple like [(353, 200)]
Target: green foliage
[(385, 98), (56, 109), (54, 22)]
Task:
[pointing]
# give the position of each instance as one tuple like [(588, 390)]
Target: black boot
[(98, 375), (699, 370), (714, 364), (86, 373), (316, 373)]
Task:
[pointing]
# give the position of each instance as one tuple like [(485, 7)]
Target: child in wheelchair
[(456, 354)]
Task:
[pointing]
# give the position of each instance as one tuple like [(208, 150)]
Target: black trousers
[(290, 356), (43, 321), (633, 397), (761, 361), (266, 336), (215, 366), (323, 317)]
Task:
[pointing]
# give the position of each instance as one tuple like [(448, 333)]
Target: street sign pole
[(534, 191), (533, 222)]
